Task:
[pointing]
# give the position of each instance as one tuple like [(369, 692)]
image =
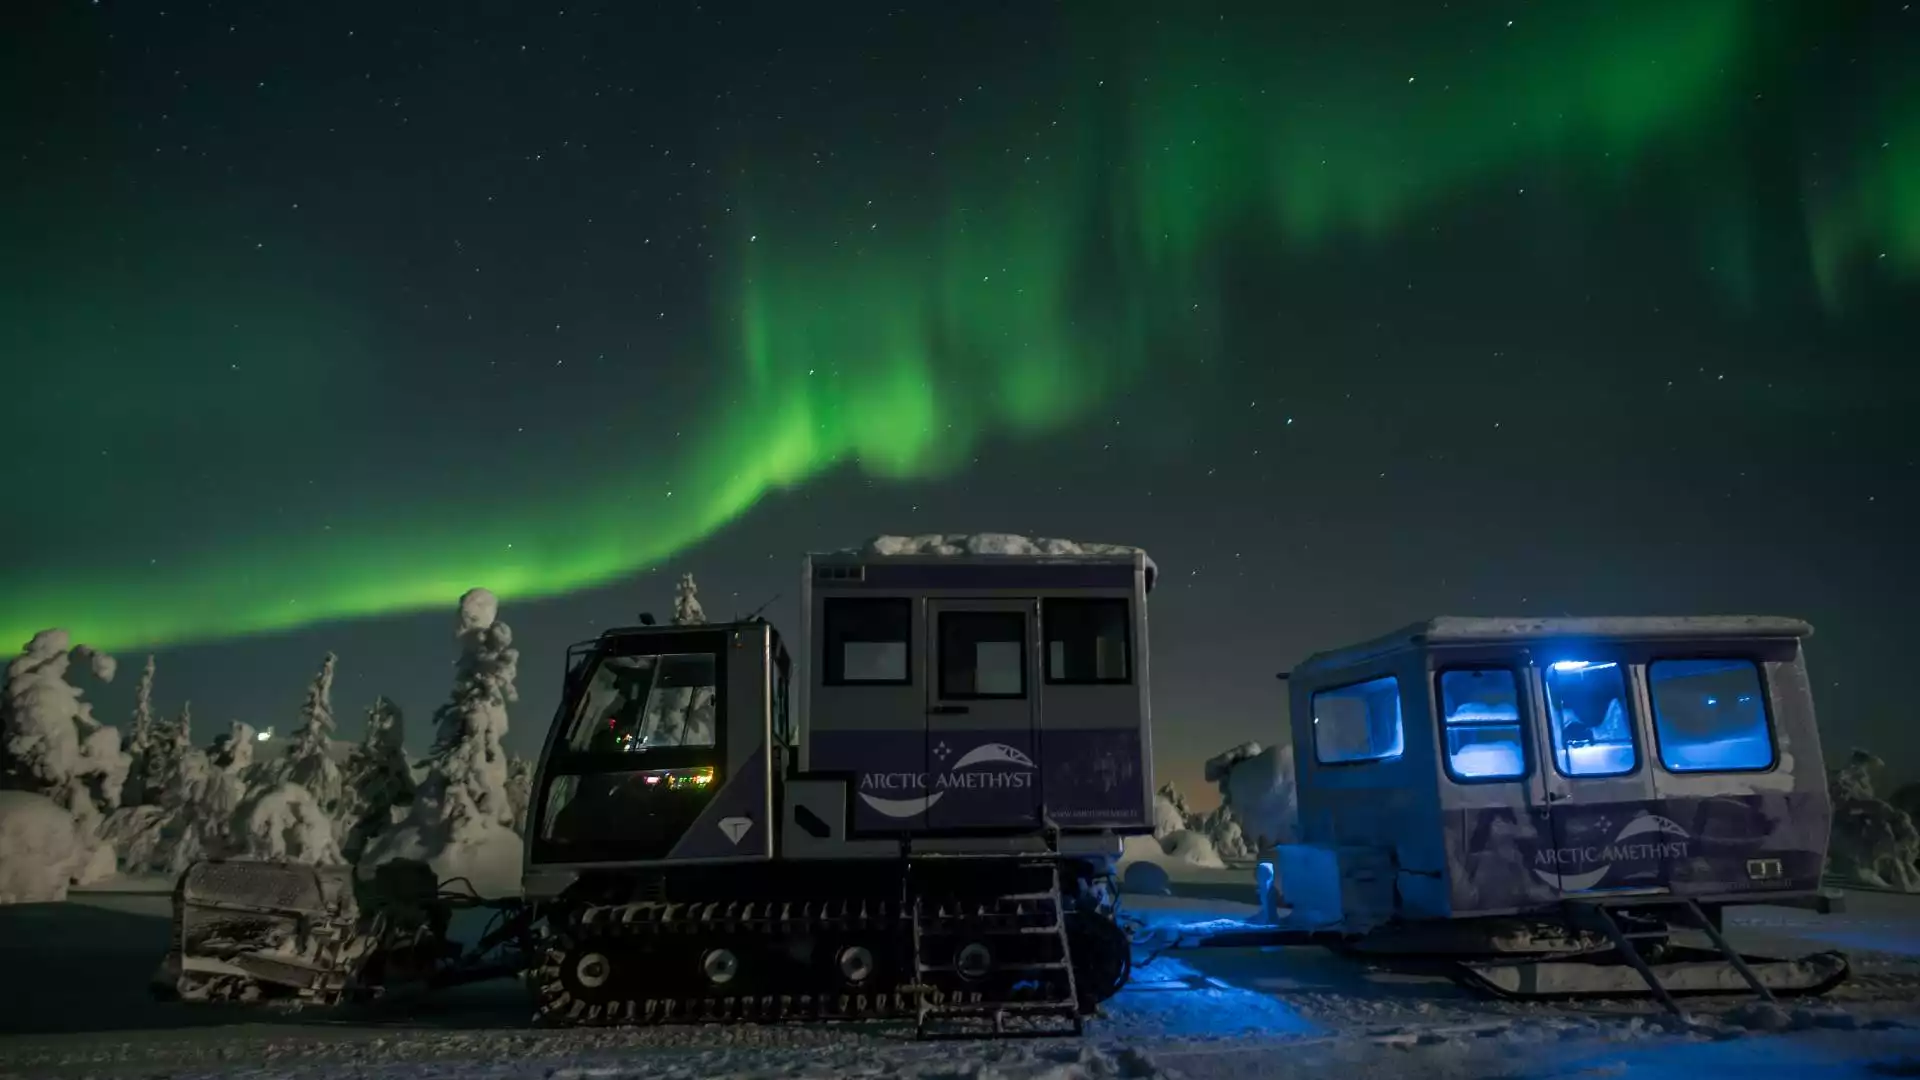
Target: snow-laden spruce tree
[(681, 715), (461, 820), (1171, 814), (519, 789), (203, 794), (285, 823), (309, 758), (145, 834), (686, 603), (142, 730), (51, 745), (379, 780), (171, 744), (1873, 842)]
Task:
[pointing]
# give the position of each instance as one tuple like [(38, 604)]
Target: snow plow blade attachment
[(1684, 972), (248, 931)]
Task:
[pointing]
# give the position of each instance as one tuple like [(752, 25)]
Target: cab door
[(982, 770), (1597, 781)]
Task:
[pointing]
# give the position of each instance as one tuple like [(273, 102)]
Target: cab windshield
[(636, 703)]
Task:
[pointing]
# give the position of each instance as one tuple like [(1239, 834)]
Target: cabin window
[(1587, 711), (1480, 717), (983, 654), (636, 703), (866, 641), (1087, 640), (1710, 715), (1358, 723)]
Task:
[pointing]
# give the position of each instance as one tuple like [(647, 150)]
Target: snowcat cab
[(1562, 785), (925, 824)]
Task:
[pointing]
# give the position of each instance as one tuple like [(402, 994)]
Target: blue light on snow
[(1226, 999)]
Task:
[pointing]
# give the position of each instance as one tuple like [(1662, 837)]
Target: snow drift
[(41, 850), (51, 745)]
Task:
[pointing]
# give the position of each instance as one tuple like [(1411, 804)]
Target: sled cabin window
[(1480, 720), (1088, 641), (1710, 715), (1593, 733), (1359, 722), (867, 640), (983, 654)]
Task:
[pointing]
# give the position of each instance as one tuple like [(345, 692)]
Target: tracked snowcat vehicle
[(929, 830), (1551, 806)]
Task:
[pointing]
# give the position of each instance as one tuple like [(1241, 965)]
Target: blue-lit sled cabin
[(1506, 765), (973, 701)]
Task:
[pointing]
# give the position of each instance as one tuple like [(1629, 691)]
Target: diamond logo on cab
[(735, 828)]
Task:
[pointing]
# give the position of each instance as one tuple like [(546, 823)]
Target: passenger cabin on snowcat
[(1507, 765), (1552, 801), (952, 704)]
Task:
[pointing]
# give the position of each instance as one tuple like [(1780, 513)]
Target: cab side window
[(867, 641), (1087, 641)]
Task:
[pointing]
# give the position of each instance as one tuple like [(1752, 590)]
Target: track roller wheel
[(578, 984)]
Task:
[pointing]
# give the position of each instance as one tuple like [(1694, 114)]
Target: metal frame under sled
[(1621, 968)]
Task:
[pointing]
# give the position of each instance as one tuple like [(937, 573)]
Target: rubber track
[(607, 928)]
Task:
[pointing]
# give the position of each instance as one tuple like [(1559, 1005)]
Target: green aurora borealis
[(1064, 238)]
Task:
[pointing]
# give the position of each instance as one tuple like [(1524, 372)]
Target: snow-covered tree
[(309, 758), (201, 795), (519, 789), (461, 819), (285, 823), (142, 731), (1873, 843), (1223, 829), (681, 715), (1171, 814), (1257, 786), (51, 745), (686, 603), (172, 742), (378, 780)]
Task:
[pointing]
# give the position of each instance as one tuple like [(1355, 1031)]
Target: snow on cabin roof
[(1461, 630), (987, 543)]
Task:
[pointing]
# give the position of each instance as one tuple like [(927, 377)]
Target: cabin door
[(981, 752), (1606, 829)]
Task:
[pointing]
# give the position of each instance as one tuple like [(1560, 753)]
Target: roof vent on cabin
[(840, 573)]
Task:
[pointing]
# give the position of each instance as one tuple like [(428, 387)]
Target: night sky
[(314, 315)]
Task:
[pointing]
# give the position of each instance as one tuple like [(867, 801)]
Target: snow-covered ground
[(73, 978)]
